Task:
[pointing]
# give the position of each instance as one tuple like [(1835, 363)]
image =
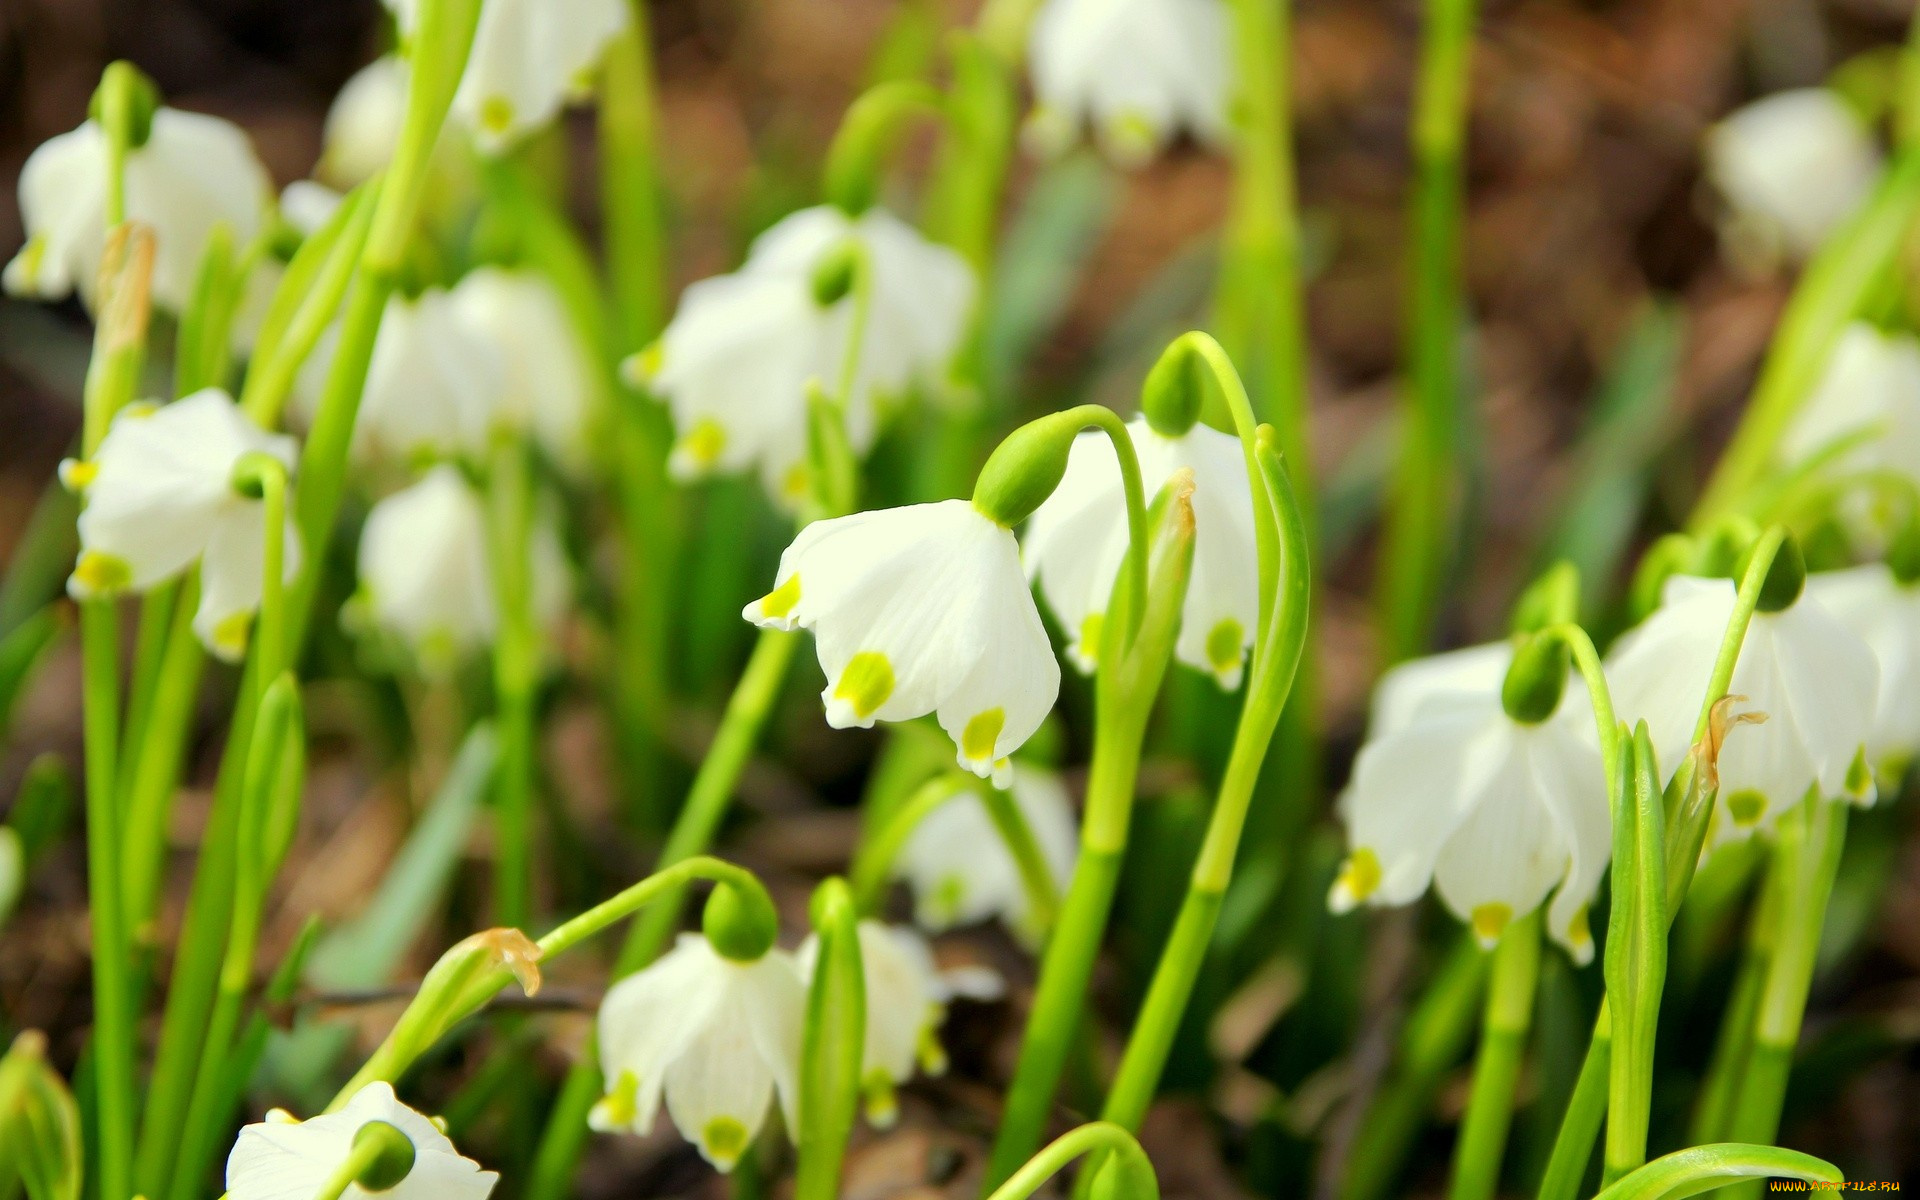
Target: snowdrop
[(1077, 539), (284, 1159), (959, 868), (192, 173), (425, 572), (1790, 167), (1814, 680), (1137, 70), (907, 996), (1493, 810), (1871, 387), (736, 360), (529, 58), (548, 377), (916, 610), (717, 1038), (160, 496), (1883, 611)]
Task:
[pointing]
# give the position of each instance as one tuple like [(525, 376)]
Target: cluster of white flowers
[(1496, 812), (735, 363)]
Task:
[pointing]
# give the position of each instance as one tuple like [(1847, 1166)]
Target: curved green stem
[(1703, 1168), (867, 134), (1134, 1178)]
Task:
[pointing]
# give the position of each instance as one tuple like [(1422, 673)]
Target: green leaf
[(1704, 1168), (39, 1124)]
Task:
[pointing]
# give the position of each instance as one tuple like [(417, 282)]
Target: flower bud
[(739, 922), (837, 272), (1535, 681), (1785, 578), (125, 95), (1174, 391), (1025, 468), (391, 1163), (1552, 598)]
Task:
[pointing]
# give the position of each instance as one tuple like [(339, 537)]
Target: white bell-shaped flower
[(1813, 679), (549, 376), (1138, 71), (1790, 168), (960, 870), (1885, 614), (717, 1038), (435, 384), (916, 610), (284, 1159), (1494, 812), (193, 172), (1870, 389), (426, 568), (529, 58), (1077, 540), (363, 124), (160, 496), (907, 996), (735, 363)]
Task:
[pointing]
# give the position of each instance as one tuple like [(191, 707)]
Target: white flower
[(548, 376), (717, 1038), (1077, 540), (434, 385), (1813, 679), (735, 362), (1137, 70), (1405, 691), (1885, 614), (426, 573), (284, 1159), (363, 125), (907, 997), (1495, 813), (193, 173), (529, 58), (1791, 167), (1871, 386), (958, 865), (916, 610), (160, 495)]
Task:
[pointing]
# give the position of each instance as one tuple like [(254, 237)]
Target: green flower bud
[(1552, 598), (1535, 681), (125, 95), (1025, 468), (1903, 556), (1668, 556), (1785, 578), (739, 922), (391, 1163), (1725, 548), (1174, 391), (838, 270)]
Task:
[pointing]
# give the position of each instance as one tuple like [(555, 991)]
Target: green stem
[(1419, 523), (629, 186), (113, 1031), (1135, 1179), (1636, 954), (362, 1156), (157, 753), (1496, 1071), (832, 1045), (515, 678), (1720, 1092), (1808, 857), (1586, 1109), (868, 133)]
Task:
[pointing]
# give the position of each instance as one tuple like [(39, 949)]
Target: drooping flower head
[(1137, 71), (717, 1038), (548, 378), (1790, 167), (735, 363), (1869, 392), (529, 58), (916, 610), (906, 1003), (1077, 540), (284, 1159), (960, 870), (192, 173), (1813, 679), (426, 572), (160, 496), (1493, 811)]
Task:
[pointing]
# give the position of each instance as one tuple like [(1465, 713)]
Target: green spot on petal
[(705, 442), (780, 601), (982, 734), (1746, 807), (1223, 646), (230, 635), (496, 114), (866, 683), (725, 1140), (1360, 875), (101, 574), (618, 1106), (1490, 921)]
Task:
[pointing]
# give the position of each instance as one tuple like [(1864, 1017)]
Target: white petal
[(423, 563), (1886, 615), (1177, 71), (1076, 542), (528, 58), (648, 1020), (719, 1087), (1799, 161), (194, 172), (1658, 672), (1222, 609), (233, 575), (434, 384), (63, 209), (1410, 791), (549, 379), (1404, 691), (363, 125), (1509, 852)]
